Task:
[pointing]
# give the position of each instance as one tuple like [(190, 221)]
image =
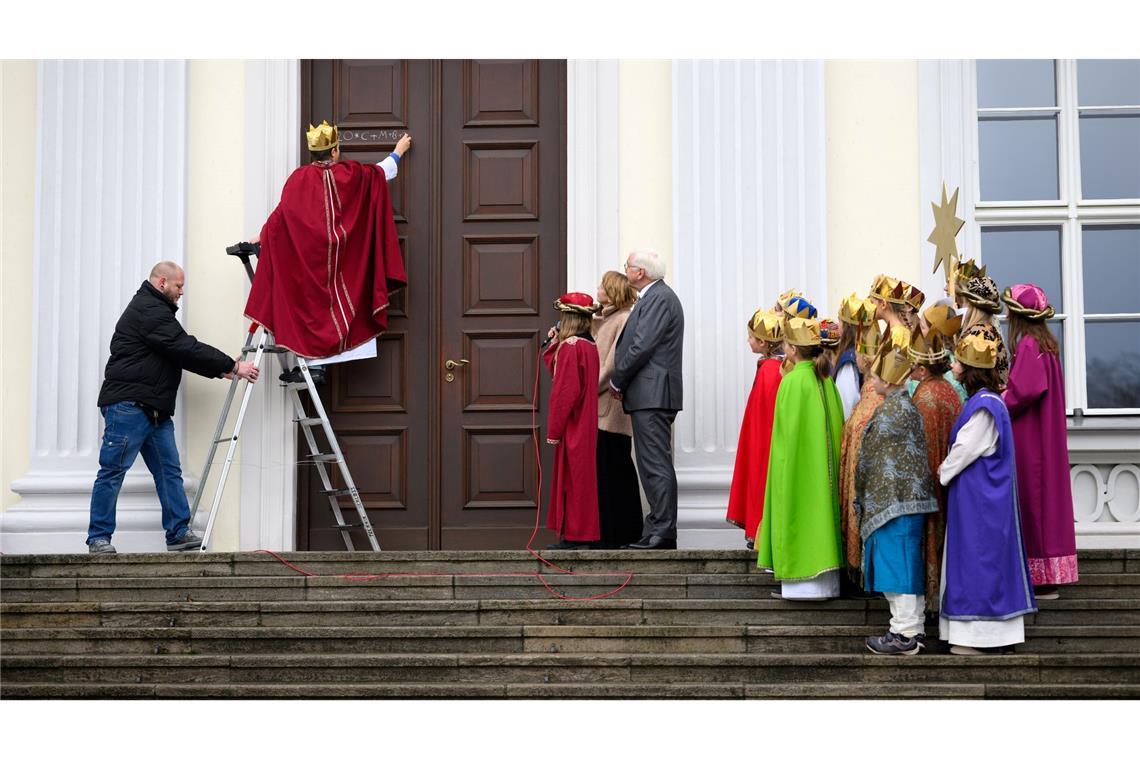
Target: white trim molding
[(268, 441), (750, 219), (1103, 450), (111, 177)]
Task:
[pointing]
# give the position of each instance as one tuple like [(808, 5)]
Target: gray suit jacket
[(647, 360)]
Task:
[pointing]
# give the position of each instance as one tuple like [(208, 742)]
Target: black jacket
[(150, 349)]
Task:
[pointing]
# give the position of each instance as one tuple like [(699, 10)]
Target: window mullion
[(1072, 272)]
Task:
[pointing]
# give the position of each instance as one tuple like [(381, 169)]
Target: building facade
[(748, 176)]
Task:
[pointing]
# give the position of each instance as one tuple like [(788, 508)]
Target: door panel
[(480, 209)]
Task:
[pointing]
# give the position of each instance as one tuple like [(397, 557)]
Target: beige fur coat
[(606, 327)]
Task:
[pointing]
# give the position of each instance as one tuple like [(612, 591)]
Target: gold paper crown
[(323, 137), (801, 332), (897, 291), (893, 363), (828, 333), (967, 271), (882, 286), (798, 306), (767, 326), (927, 349), (870, 337), (943, 318), (976, 351), (856, 311), (783, 298)]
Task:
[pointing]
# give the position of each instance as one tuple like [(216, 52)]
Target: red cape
[(329, 260), (750, 474), (573, 422)]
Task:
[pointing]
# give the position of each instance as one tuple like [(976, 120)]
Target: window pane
[(1018, 158), (1110, 156), (1112, 360), (1016, 84), (1025, 254), (1111, 260), (1108, 83)]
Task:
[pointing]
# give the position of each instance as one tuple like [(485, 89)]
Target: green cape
[(799, 532)]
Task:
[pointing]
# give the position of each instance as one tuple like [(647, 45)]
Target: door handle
[(453, 364)]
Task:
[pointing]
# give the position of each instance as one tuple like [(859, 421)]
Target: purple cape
[(987, 577)]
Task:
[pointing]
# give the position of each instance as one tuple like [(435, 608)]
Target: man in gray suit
[(647, 379)]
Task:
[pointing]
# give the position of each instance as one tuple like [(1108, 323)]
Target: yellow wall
[(872, 173), (645, 198), (17, 203), (215, 284)]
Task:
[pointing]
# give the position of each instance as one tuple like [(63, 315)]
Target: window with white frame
[(1057, 184)]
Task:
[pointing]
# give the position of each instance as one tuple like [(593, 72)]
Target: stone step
[(247, 564), (298, 588), (1073, 612), (566, 639), (1119, 669)]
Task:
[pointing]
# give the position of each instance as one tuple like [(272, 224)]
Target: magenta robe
[(573, 422), (1035, 398)]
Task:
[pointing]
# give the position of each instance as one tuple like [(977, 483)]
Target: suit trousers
[(653, 448)]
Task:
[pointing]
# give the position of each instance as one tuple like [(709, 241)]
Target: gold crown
[(798, 306), (976, 351), (943, 318), (897, 291), (323, 137), (968, 270), (869, 339), (783, 298), (927, 349), (893, 363), (856, 311), (828, 333), (882, 287), (767, 326), (801, 332)]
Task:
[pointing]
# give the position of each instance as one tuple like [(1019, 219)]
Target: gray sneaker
[(101, 546), (185, 542), (895, 643)]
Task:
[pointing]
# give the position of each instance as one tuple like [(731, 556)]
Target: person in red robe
[(572, 425), (750, 474), (939, 405), (330, 258)]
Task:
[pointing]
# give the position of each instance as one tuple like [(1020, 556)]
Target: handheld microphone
[(549, 338)]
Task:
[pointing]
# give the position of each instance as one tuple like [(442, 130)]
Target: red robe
[(750, 474), (939, 405), (329, 260), (573, 422)]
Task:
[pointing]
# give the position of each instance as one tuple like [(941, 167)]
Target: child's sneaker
[(894, 643), (101, 546), (187, 541)]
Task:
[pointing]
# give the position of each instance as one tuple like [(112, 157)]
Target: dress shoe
[(653, 542), (564, 544)]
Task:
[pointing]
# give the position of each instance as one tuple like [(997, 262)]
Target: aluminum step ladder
[(259, 342)]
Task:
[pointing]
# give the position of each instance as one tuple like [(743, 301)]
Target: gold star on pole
[(946, 226)]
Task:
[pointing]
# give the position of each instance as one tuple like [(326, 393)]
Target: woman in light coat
[(619, 499)]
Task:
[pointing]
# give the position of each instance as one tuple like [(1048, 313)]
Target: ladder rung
[(321, 458), (337, 492), (348, 526), (309, 421), (267, 349), (227, 438)]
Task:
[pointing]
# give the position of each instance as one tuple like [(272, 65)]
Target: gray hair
[(649, 261)]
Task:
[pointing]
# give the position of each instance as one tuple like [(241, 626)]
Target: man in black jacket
[(149, 350)]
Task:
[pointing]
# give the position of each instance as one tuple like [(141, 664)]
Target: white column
[(110, 202), (268, 449), (592, 172), (749, 210)]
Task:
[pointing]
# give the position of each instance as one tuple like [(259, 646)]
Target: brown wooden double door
[(446, 460)]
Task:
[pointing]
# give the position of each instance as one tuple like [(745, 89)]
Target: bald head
[(169, 279)]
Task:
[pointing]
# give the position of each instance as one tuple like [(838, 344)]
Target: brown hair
[(1020, 327), (617, 287), (573, 323), (820, 359), (848, 340), (773, 347), (938, 369), (975, 379)]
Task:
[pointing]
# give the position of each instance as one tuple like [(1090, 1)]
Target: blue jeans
[(128, 430)]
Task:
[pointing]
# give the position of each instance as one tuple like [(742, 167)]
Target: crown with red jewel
[(578, 303)]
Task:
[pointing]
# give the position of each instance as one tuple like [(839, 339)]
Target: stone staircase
[(689, 624)]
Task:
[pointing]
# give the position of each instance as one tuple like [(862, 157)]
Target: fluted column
[(749, 197), (110, 201)]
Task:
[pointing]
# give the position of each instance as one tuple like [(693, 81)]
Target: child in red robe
[(746, 498), (572, 425)]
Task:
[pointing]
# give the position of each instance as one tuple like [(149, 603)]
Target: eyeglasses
[(629, 266)]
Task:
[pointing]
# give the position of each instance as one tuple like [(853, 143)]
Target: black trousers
[(653, 446), (619, 500)]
